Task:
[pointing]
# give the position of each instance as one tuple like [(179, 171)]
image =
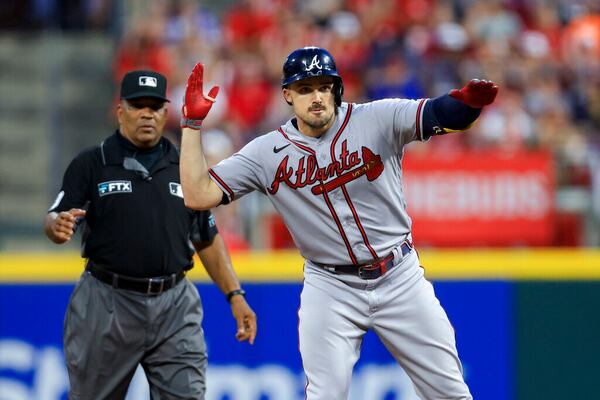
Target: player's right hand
[(196, 104), (62, 226)]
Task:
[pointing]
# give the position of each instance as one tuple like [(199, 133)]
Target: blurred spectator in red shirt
[(249, 95), (142, 48), (247, 22)]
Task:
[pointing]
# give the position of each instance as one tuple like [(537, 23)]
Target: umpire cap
[(308, 62), (137, 84)]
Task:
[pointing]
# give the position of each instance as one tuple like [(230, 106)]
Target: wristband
[(191, 123), (229, 295)]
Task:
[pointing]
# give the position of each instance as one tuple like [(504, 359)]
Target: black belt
[(143, 285), (370, 271)]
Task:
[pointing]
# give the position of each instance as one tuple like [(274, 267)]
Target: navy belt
[(142, 285), (373, 270)]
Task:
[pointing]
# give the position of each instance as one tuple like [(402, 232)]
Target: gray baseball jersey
[(340, 195)]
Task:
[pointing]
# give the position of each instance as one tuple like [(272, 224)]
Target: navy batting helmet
[(308, 62)]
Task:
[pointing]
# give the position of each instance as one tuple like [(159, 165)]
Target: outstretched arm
[(199, 191), (457, 110), (217, 263)]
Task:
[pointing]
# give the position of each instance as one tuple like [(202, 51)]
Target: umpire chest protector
[(136, 220)]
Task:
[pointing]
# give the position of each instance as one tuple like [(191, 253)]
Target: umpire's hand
[(59, 227), (245, 318)]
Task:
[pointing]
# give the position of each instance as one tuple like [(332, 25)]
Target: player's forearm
[(445, 114), (199, 191), (217, 263), (458, 109)]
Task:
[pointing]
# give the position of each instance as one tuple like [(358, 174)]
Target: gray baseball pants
[(108, 332), (400, 307)]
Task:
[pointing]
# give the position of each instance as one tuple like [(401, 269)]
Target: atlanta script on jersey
[(336, 184)]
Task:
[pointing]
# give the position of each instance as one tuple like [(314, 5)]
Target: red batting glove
[(196, 104), (477, 93)]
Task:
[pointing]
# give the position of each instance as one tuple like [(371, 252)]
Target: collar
[(113, 152)]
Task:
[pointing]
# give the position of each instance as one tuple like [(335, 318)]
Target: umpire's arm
[(216, 261)]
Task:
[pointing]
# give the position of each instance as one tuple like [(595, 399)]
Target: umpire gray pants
[(108, 332)]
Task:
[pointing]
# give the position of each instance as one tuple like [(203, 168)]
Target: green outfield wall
[(557, 340)]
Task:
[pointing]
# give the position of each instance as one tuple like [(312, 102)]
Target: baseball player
[(334, 173), (133, 304)]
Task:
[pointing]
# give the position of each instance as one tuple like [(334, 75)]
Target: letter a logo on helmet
[(315, 63), (308, 62)]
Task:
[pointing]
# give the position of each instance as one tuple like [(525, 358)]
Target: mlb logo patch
[(112, 187), (148, 81), (175, 189)]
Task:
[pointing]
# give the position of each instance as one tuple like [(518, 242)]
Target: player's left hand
[(196, 104), (245, 319), (477, 93)]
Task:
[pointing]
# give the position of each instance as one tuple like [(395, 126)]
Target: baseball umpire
[(133, 304), (334, 173)]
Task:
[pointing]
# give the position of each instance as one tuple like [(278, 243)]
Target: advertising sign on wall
[(32, 362), (479, 198)]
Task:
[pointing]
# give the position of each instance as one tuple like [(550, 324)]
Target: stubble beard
[(319, 123)]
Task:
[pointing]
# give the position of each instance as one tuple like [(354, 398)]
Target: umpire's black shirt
[(136, 222)]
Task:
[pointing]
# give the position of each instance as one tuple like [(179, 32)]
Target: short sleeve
[(241, 173), (204, 227), (405, 118), (75, 190)]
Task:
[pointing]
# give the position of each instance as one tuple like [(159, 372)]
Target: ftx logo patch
[(110, 187)]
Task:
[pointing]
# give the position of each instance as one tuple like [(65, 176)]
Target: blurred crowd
[(545, 56)]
